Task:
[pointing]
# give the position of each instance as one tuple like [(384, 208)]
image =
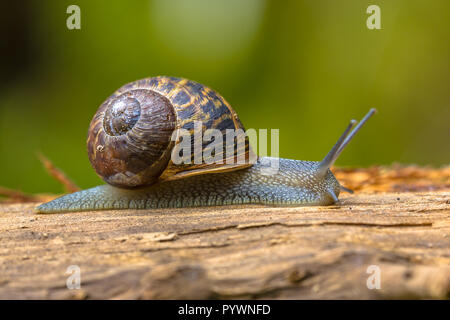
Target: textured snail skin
[(295, 183)]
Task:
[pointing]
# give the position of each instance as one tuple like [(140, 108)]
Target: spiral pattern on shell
[(130, 138)]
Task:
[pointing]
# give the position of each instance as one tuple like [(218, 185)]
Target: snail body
[(134, 137)]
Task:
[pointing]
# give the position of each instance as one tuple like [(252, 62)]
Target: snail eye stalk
[(343, 141)]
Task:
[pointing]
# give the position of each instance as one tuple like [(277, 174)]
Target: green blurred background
[(304, 67)]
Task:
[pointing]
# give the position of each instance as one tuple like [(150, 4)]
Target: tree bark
[(237, 251)]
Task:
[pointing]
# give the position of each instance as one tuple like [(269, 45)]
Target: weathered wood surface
[(235, 252)]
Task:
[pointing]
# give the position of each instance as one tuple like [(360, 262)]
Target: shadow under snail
[(133, 137)]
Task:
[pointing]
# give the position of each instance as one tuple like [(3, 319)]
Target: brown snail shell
[(132, 135)]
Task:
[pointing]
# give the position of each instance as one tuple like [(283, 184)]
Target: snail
[(133, 143)]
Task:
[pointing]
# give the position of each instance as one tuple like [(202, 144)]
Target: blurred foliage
[(305, 67)]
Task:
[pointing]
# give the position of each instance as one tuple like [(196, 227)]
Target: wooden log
[(235, 252)]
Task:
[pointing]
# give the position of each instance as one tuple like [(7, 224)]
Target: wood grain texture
[(233, 252)]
